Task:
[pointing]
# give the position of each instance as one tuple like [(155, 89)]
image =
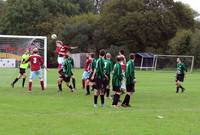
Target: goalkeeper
[(22, 69)]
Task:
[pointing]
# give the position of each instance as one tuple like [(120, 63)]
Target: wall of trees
[(158, 26)]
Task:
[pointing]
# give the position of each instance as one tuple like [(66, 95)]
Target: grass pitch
[(156, 108)]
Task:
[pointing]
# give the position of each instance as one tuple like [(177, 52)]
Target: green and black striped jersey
[(130, 72), (71, 60), (108, 66), (93, 65), (100, 68), (67, 67), (181, 68), (117, 75)]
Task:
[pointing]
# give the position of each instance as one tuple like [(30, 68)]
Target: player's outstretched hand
[(73, 47)]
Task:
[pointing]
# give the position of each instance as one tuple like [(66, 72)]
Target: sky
[(195, 4)]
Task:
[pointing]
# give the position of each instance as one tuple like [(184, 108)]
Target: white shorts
[(123, 86), (60, 60), (86, 75), (33, 74)]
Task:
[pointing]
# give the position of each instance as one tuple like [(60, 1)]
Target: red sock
[(30, 86), (42, 84)]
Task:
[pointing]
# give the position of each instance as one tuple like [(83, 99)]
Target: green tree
[(195, 49), (78, 31), (181, 44), (32, 17), (141, 24)]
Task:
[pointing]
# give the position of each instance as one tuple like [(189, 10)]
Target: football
[(53, 36)]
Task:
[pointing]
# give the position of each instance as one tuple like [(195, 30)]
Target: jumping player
[(108, 70), (180, 74), (65, 73), (130, 80), (22, 70), (36, 63), (61, 50), (99, 77), (117, 82)]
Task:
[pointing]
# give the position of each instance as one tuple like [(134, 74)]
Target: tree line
[(158, 26)]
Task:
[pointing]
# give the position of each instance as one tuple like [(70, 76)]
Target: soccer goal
[(12, 47), (168, 62)]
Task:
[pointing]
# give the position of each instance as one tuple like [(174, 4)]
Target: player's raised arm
[(73, 47)]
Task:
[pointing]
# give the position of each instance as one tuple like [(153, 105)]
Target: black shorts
[(117, 88), (180, 77), (106, 82), (130, 87), (92, 80), (22, 71), (66, 79), (99, 83)]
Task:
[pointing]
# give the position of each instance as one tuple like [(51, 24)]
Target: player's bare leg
[(87, 86), (60, 86), (74, 82), (178, 86), (24, 79)]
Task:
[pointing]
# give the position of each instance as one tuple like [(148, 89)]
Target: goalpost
[(12, 47), (169, 62)]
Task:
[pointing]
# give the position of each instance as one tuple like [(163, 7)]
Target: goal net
[(11, 49), (168, 62)]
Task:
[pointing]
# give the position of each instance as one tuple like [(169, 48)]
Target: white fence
[(7, 63), (79, 59)]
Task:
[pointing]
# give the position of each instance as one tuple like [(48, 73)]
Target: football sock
[(115, 99), (181, 87), (30, 86), (70, 87), (60, 87), (42, 84), (23, 82), (102, 99), (88, 89), (95, 99), (74, 82), (83, 84), (16, 79), (177, 89), (128, 99), (125, 100), (107, 92)]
